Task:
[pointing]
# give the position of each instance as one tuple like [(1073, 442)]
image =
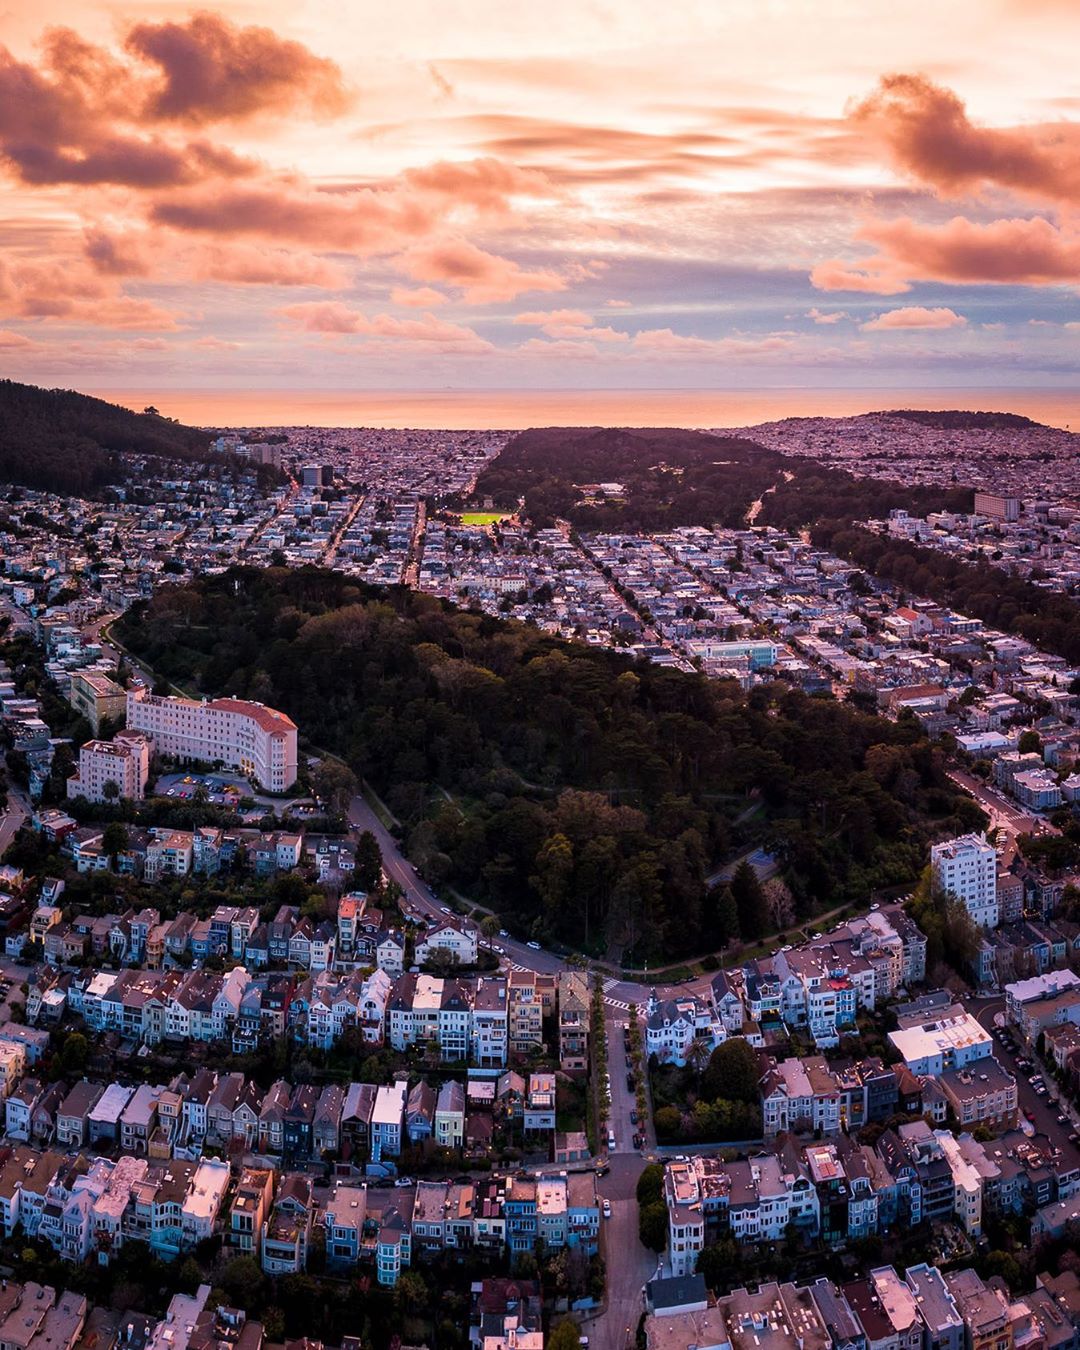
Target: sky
[(493, 194)]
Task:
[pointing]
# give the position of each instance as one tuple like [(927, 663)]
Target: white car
[(534, 946), (607, 1209), (503, 933)]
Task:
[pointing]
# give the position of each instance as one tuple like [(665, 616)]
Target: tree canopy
[(533, 775)]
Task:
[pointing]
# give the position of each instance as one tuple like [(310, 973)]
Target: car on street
[(607, 1209), (602, 1169), (633, 1117), (533, 946), (1029, 1114), (1062, 1119), (503, 933)]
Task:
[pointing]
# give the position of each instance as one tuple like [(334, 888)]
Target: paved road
[(629, 1264), (1003, 812), (18, 810)]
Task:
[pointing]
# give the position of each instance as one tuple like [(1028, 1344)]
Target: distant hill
[(959, 420), (61, 441)]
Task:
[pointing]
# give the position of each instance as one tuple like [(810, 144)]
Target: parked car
[(607, 1209), (534, 946)]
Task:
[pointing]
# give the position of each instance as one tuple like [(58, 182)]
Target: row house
[(459, 1018)]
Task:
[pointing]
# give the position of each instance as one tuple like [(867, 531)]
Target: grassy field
[(482, 517)]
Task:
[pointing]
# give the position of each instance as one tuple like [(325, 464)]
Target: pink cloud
[(332, 316), (914, 316), (1022, 251), (484, 278), (211, 70), (833, 316), (926, 129), (419, 297)]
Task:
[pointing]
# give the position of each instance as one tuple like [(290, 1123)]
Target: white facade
[(124, 761), (257, 740), (967, 868)]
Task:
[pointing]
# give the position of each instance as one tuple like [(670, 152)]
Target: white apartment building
[(258, 741), (123, 761), (967, 868)]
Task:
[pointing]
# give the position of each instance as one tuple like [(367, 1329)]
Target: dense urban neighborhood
[(285, 1059)]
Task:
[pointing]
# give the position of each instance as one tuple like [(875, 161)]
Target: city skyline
[(731, 196)]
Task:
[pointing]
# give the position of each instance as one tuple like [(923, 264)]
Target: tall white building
[(967, 868), (259, 741), (124, 761)]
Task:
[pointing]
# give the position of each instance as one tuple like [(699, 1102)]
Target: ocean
[(514, 409)]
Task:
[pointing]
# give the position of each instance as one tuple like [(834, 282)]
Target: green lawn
[(482, 517)]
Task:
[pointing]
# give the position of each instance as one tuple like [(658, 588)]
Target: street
[(1004, 814), (629, 1264), (11, 821), (1044, 1110)]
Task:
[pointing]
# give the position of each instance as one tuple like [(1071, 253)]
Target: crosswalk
[(609, 984)]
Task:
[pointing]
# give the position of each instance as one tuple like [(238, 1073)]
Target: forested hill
[(62, 441), (956, 419), (672, 477), (576, 791)]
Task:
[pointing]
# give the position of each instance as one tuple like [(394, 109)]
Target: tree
[(335, 784), (565, 1336), (653, 1225), (697, 1054), (726, 917), (114, 840), (650, 1185), (244, 1282), (750, 902), (1030, 743), (733, 1072), (110, 790), (554, 867), (367, 869), (74, 1053), (489, 926)]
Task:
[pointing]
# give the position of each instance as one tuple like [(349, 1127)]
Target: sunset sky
[(576, 193)]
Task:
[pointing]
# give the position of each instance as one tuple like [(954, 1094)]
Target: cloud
[(871, 277), (484, 278), (10, 341), (118, 254), (1020, 251), (618, 304), (486, 186), (362, 222), (419, 297), (544, 318), (335, 317), (928, 133), (211, 70), (249, 265), (914, 316), (832, 316), (570, 323), (666, 340)]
